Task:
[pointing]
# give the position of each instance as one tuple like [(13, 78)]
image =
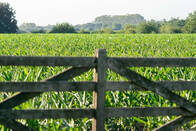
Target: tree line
[(130, 23), (174, 25)]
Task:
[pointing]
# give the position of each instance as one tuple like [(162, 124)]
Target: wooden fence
[(186, 110)]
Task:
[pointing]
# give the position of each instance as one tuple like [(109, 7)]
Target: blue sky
[(44, 12)]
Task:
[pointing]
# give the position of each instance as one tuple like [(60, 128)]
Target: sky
[(44, 12)]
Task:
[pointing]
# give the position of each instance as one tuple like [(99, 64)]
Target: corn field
[(137, 45)]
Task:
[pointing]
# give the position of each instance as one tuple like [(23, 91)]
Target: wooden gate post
[(99, 93)]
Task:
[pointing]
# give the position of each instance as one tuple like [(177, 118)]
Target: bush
[(39, 31), (63, 28), (108, 31), (190, 26), (103, 31), (129, 28), (148, 27), (169, 28), (82, 31)]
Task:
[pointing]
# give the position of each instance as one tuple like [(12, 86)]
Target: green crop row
[(138, 45)]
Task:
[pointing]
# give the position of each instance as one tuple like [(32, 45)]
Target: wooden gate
[(186, 110)]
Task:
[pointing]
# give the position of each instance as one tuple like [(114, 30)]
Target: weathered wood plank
[(147, 84), (19, 98), (90, 61), (14, 125), (179, 85), (46, 86), (178, 122), (90, 113), (47, 61), (87, 86), (146, 111), (172, 85), (122, 86), (154, 62), (99, 94), (81, 113), (47, 114)]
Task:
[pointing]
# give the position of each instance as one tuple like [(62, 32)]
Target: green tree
[(8, 23), (63, 28), (39, 31), (190, 25), (170, 28), (120, 19), (129, 28), (148, 27), (177, 22)]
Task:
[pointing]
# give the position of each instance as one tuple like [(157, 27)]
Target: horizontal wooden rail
[(146, 111), (47, 61), (47, 113), (156, 62), (173, 85), (46, 86), (87, 86), (90, 113), (91, 61)]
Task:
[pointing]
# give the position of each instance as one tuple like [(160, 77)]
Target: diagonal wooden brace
[(178, 122), (21, 97), (158, 89), (14, 125), (150, 85)]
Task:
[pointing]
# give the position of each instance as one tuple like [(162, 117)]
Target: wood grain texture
[(46, 86), (156, 62), (172, 85), (14, 125), (88, 86), (47, 113), (99, 94), (47, 61), (146, 111)]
